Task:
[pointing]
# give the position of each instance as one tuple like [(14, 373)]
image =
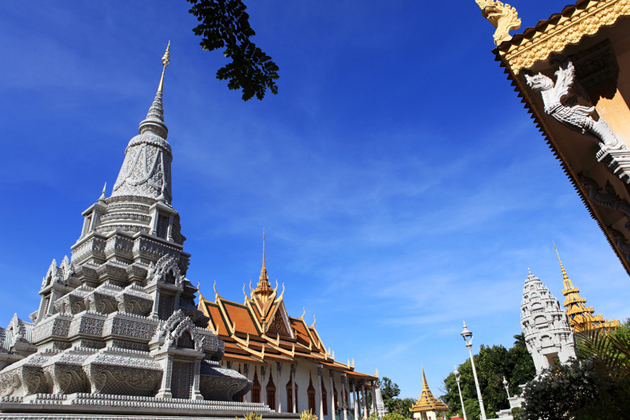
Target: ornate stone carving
[(166, 271), (222, 384), (608, 199), (134, 300), (566, 30), (502, 16), (129, 326), (574, 116)]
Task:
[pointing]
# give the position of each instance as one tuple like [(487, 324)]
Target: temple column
[(278, 387), (293, 396), (365, 402), (356, 402), (196, 381), (263, 386), (344, 400), (165, 387), (320, 373), (374, 409), (332, 392), (248, 396)]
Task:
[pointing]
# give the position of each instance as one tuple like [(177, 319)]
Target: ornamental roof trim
[(553, 35)]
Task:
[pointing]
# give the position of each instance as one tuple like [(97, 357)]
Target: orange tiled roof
[(261, 330)]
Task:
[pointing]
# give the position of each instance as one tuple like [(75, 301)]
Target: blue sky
[(401, 184)]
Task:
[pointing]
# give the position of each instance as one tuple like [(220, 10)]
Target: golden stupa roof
[(581, 317), (427, 402)]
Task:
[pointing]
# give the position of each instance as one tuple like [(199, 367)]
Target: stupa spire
[(146, 170), (155, 117)]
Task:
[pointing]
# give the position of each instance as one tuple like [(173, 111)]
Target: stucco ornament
[(569, 113), (502, 16)]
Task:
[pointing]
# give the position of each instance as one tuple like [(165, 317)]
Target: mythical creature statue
[(575, 116), (502, 16)]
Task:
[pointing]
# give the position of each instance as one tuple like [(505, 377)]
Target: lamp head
[(466, 334)]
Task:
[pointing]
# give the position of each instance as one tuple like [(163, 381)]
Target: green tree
[(389, 391), (492, 364), (225, 24)]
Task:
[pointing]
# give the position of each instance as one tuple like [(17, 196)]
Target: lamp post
[(468, 336), (456, 373), (505, 385)]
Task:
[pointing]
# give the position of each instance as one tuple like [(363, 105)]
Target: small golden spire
[(263, 271), (565, 278), (425, 385), (166, 60)]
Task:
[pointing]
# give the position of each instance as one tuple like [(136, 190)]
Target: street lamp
[(456, 373), (468, 336), (505, 385)]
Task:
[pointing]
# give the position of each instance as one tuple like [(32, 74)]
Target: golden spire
[(580, 316), (263, 271), (427, 402), (166, 60), (425, 385), (565, 279), (263, 289)]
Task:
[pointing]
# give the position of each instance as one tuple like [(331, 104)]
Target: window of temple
[(271, 392), (162, 226), (336, 394), (311, 397), (290, 397), (256, 388)]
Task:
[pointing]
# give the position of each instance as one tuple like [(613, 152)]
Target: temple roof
[(553, 35), (260, 330), (427, 402)]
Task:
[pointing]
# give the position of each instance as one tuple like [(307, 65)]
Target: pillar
[(320, 373), (344, 401), (248, 396), (278, 387), (332, 393), (293, 396), (356, 405), (263, 385), (365, 403), (374, 408)]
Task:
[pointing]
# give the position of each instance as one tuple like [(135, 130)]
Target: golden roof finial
[(565, 278), (166, 60), (263, 271), (263, 289)]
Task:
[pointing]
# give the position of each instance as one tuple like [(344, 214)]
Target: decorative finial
[(102, 197), (565, 278), (166, 60), (155, 117), (502, 16)]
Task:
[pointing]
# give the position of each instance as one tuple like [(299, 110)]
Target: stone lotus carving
[(574, 116), (502, 16)]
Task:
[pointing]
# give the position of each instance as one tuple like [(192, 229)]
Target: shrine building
[(290, 366)]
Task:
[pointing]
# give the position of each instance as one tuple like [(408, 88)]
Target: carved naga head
[(539, 82)]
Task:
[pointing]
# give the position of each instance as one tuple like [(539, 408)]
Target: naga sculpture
[(502, 16), (569, 113)]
